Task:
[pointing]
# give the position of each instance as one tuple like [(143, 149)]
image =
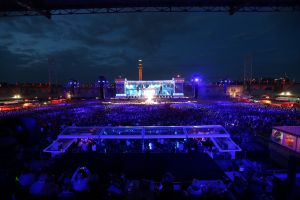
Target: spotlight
[(149, 94)]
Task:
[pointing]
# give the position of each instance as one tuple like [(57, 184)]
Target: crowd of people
[(82, 183), (140, 146), (243, 121)]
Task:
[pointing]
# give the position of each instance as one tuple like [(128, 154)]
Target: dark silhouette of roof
[(65, 7)]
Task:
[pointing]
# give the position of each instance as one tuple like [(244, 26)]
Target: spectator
[(80, 179)]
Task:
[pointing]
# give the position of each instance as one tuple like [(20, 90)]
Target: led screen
[(139, 88)]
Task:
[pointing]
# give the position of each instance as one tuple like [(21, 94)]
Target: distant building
[(30, 90), (235, 90), (285, 144)]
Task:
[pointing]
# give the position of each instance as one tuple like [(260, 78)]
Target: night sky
[(214, 45)]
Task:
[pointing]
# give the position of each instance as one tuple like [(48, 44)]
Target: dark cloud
[(21, 67), (86, 46)]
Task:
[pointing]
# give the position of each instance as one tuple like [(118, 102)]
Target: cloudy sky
[(211, 44)]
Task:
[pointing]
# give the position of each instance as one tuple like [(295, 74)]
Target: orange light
[(69, 96), (266, 102), (25, 105)]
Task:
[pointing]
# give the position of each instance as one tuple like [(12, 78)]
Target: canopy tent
[(218, 135)]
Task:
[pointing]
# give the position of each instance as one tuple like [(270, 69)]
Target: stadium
[(149, 100)]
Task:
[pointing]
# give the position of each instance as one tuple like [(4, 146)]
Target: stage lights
[(149, 94), (196, 79)]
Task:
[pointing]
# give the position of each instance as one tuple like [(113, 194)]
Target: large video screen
[(160, 88)]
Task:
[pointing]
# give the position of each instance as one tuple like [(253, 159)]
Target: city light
[(268, 102), (285, 94), (69, 96), (26, 105), (16, 96)]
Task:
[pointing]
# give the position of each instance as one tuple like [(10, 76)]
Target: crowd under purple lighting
[(244, 121)]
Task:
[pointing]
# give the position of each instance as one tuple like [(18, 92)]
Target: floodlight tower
[(140, 67), (50, 71), (196, 81), (51, 63), (248, 65), (71, 86), (101, 83)]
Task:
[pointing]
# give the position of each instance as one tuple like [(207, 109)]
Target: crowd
[(141, 146), (243, 121), (82, 183)]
